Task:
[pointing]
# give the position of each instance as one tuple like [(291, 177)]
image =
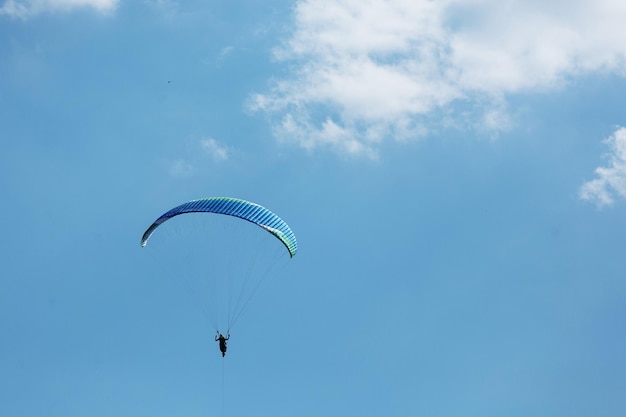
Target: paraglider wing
[(243, 209)]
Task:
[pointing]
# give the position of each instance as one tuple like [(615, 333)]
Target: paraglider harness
[(222, 341)]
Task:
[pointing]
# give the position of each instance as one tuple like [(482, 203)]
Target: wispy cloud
[(225, 52), (24, 9), (167, 8), (377, 69), (214, 149), (198, 154), (181, 168), (611, 181)]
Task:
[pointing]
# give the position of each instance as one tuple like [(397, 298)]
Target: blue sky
[(455, 172)]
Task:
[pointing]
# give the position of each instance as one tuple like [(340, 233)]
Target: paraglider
[(245, 211)]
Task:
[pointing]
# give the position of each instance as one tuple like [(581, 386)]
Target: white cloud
[(197, 154), (376, 69), (24, 9), (214, 149), (225, 52), (168, 8), (611, 181), (181, 168)]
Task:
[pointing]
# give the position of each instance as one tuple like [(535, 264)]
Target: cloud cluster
[(23, 9), (611, 179), (368, 70)]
